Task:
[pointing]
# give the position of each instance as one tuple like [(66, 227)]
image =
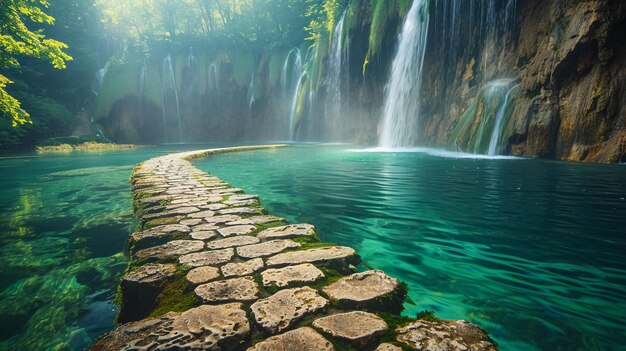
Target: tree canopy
[(17, 40)]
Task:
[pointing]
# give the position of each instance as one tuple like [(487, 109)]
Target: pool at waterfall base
[(530, 250)]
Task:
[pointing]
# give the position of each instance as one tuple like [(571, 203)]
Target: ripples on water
[(532, 251), (65, 222)]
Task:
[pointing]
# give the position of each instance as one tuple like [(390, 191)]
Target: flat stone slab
[(257, 220), (157, 235), (207, 258), (191, 222), (149, 274), (282, 277), (365, 287), (237, 289), (301, 339), (202, 275), (238, 210), (205, 227), (222, 219), (170, 250), (241, 203), (266, 249), (236, 230), (202, 214), (318, 255), (452, 335), (388, 347), (241, 240), (220, 327), (203, 235), (288, 231), (357, 327), (281, 310), (240, 269)]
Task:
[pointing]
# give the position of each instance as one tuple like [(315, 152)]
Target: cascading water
[(170, 89), (190, 76), (401, 109), (291, 79), (213, 73), (483, 125), (96, 86), (497, 132), (251, 93), (333, 100), (143, 82)]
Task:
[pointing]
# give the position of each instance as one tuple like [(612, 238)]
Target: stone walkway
[(210, 270)]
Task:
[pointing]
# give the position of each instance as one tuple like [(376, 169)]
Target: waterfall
[(496, 134), (294, 106), (335, 77), (291, 79), (170, 87), (96, 86), (143, 82), (251, 92), (213, 72), (190, 76), (482, 127), (401, 108)]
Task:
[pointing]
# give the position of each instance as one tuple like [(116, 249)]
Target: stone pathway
[(210, 270)]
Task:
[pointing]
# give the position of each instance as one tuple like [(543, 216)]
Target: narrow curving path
[(211, 270)]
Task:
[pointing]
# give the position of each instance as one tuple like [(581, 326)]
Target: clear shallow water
[(533, 251), (64, 225)]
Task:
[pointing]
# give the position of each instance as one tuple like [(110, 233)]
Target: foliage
[(17, 40)]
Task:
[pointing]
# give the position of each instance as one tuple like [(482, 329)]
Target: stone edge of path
[(181, 210)]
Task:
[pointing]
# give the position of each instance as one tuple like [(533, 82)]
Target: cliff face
[(537, 78), (566, 60)]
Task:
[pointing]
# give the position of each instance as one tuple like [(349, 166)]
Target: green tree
[(16, 40)]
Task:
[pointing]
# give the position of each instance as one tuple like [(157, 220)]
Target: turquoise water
[(533, 251), (64, 225)]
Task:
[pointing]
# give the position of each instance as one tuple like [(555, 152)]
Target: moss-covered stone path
[(211, 270)]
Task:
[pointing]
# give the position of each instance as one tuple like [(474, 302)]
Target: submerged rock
[(454, 335), (220, 327), (301, 339)]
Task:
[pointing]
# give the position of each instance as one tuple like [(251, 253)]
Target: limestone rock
[(202, 275), (238, 210), (318, 255), (202, 214), (207, 258), (301, 339), (281, 277), (203, 235), (214, 328), (237, 289), (222, 219), (288, 231), (233, 241), (205, 227), (454, 335), (357, 327), (170, 250), (191, 222), (157, 235), (266, 248), (236, 230), (240, 269), (388, 347), (371, 289), (281, 310), (140, 289)]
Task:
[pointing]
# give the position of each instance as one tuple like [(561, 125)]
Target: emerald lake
[(530, 250)]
